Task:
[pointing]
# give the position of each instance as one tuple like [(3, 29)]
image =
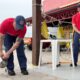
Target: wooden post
[(36, 30)]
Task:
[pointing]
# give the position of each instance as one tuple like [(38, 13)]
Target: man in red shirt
[(12, 31), (76, 38)]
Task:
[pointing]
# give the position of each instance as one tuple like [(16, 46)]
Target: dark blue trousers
[(8, 43), (76, 46)]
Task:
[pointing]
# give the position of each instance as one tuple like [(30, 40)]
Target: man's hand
[(5, 56)]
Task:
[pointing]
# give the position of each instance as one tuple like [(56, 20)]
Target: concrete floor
[(45, 72), (64, 72)]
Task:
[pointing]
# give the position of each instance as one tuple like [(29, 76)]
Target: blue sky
[(12, 8)]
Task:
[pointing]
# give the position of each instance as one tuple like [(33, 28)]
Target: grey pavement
[(45, 72), (34, 74)]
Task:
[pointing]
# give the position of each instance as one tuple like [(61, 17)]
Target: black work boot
[(24, 71), (75, 64), (11, 73)]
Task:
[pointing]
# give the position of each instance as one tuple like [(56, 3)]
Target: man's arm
[(1, 44), (75, 29), (15, 45)]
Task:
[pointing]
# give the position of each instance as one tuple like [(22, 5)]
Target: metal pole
[(36, 30)]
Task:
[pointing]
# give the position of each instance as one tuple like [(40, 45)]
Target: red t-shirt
[(76, 20), (7, 28)]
